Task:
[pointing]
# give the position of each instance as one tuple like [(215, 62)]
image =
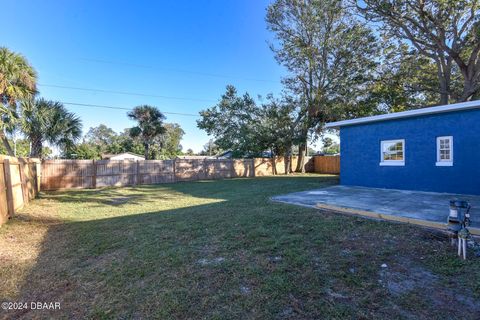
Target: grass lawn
[(222, 250)]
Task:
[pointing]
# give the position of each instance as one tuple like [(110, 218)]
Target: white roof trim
[(405, 114), (120, 154)]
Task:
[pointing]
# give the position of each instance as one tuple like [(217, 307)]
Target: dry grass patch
[(21, 243)]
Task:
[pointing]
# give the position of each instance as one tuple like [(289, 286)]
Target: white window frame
[(392, 162), (440, 162)]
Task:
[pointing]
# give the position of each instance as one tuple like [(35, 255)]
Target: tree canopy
[(17, 82), (240, 124), (49, 121), (150, 125), (447, 32), (232, 122), (330, 56), (168, 145)]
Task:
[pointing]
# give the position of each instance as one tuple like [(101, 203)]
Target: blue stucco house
[(430, 149)]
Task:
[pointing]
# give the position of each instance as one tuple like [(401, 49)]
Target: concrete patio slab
[(423, 208)]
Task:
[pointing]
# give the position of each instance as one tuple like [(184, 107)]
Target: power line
[(207, 74), (123, 92), (122, 108)]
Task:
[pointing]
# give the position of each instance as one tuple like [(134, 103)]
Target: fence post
[(94, 175), (23, 182), (33, 177), (174, 169), (38, 176), (8, 187), (203, 169), (137, 178)]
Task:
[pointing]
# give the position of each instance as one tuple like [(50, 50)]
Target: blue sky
[(180, 49)]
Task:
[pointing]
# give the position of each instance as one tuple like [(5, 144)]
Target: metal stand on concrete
[(458, 221)]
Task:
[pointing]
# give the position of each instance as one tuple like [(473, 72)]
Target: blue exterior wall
[(360, 153)]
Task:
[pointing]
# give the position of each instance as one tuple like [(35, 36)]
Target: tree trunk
[(6, 144), (444, 71), (286, 162), (147, 147), (290, 167), (302, 149), (36, 150), (469, 89), (470, 75), (444, 91), (274, 164)]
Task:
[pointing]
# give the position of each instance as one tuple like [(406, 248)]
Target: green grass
[(223, 250)]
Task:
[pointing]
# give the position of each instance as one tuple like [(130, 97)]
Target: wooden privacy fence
[(327, 164), (19, 183), (63, 174)]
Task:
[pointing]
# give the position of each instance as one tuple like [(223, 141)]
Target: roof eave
[(406, 114)]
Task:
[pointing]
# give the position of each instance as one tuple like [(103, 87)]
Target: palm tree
[(49, 121), (150, 125), (17, 81)]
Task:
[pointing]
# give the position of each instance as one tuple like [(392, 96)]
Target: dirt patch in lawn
[(407, 280)]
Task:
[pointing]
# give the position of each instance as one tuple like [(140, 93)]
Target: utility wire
[(122, 108), (122, 92), (176, 70)]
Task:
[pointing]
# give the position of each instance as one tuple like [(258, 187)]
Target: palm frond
[(17, 77), (45, 120)]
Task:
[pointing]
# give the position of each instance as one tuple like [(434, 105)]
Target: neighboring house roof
[(406, 114), (108, 156), (224, 155)]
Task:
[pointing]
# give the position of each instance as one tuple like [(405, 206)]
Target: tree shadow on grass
[(106, 196), (239, 256), (221, 189)]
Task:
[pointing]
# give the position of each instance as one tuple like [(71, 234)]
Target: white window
[(392, 152), (445, 151)]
